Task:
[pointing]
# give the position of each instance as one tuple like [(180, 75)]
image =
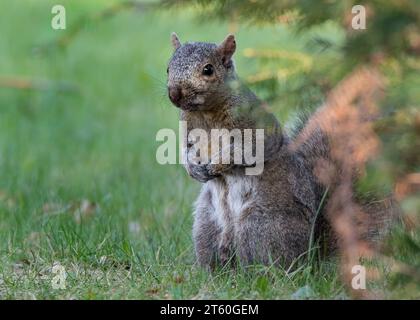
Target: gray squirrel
[(268, 218)]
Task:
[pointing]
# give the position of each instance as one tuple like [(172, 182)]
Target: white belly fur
[(238, 193)]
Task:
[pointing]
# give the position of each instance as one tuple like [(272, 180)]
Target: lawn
[(79, 183)]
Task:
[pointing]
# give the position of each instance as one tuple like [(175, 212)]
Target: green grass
[(79, 183)]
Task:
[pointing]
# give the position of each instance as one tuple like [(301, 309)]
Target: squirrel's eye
[(167, 70), (208, 70)]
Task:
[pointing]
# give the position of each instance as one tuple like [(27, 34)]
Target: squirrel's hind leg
[(270, 238)]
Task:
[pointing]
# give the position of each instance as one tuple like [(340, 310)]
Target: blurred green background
[(79, 183)]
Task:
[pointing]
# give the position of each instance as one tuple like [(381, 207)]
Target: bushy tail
[(313, 141)]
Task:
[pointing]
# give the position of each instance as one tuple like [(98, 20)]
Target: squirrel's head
[(199, 73)]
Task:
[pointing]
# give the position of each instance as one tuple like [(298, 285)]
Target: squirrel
[(259, 219)]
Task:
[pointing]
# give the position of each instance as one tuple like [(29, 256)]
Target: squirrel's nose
[(175, 94)]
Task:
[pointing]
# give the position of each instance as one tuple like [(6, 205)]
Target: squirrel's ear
[(227, 48), (175, 41)]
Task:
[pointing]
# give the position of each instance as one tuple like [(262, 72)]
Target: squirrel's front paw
[(201, 172)]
